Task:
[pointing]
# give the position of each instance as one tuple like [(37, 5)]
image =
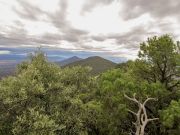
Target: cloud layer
[(115, 27)]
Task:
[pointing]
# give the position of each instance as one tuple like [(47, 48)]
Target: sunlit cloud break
[(4, 52)]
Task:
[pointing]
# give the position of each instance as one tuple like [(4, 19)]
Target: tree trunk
[(141, 116)]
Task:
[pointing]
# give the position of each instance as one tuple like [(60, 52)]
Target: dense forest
[(140, 97)]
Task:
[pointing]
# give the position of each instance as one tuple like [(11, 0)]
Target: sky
[(109, 28)]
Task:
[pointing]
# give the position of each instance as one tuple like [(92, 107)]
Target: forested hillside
[(140, 97), (98, 64)]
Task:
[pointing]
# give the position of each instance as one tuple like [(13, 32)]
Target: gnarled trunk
[(141, 116)]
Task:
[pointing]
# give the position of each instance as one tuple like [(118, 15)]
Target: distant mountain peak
[(97, 63), (94, 57), (69, 60), (74, 57)]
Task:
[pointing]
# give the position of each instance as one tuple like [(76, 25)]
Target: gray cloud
[(157, 8), (28, 11), (58, 19), (129, 40), (13, 35), (17, 35), (49, 38), (90, 4), (10, 41), (99, 38)]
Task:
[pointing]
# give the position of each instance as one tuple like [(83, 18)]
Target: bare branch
[(131, 99), (153, 119), (132, 112), (148, 99), (141, 116), (134, 123)]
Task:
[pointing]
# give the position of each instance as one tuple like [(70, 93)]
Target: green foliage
[(113, 85), (43, 98), (158, 61), (32, 122), (171, 117), (171, 114), (126, 66)]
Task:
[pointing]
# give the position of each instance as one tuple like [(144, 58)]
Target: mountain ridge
[(97, 63), (68, 60)]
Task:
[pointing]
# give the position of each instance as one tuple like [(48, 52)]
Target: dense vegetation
[(138, 97)]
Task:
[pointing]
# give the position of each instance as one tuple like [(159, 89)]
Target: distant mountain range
[(7, 68), (98, 64), (69, 60)]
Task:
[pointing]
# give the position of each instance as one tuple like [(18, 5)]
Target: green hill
[(98, 64)]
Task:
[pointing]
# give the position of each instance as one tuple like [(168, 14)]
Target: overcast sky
[(112, 27)]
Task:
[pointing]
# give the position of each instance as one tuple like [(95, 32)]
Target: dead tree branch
[(141, 116)]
